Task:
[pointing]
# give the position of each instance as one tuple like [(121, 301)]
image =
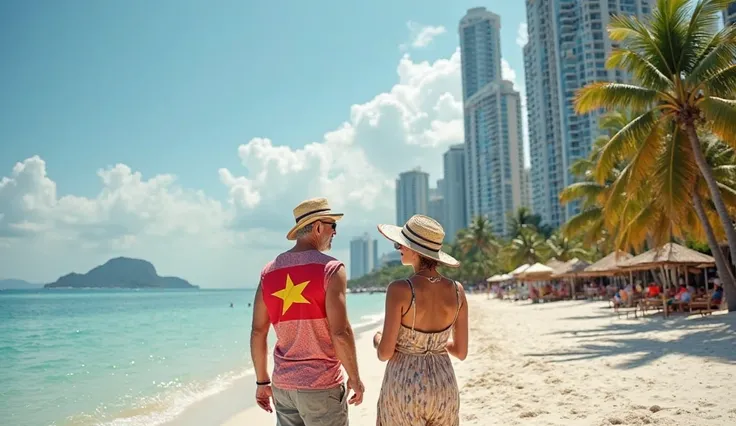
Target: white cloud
[(422, 35), (522, 34), (188, 233)]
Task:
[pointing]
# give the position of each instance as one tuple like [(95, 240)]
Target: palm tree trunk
[(724, 272), (715, 192)]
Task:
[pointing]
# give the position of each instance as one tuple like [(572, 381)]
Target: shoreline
[(239, 397)]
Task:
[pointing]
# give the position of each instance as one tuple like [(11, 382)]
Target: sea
[(126, 357)]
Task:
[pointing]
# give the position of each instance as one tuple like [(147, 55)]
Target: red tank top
[(293, 287)]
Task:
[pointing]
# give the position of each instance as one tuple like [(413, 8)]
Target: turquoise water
[(125, 357)]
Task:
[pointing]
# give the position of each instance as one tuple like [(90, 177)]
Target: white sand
[(575, 363)]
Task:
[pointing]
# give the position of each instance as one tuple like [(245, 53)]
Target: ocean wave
[(369, 320), (169, 403)]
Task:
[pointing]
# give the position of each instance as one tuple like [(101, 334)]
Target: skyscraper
[(412, 195), (729, 15), (526, 199), (494, 153), (453, 187), (567, 49), (363, 256)]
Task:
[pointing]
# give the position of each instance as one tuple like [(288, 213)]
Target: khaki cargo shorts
[(327, 407)]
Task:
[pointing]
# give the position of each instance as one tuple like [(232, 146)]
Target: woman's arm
[(396, 300), (458, 347)]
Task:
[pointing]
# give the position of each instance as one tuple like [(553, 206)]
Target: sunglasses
[(397, 246), (332, 224)]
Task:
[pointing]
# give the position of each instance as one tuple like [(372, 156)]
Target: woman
[(426, 321)]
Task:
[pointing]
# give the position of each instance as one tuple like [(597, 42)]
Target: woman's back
[(420, 370), (433, 306)]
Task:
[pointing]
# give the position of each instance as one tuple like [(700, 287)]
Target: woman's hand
[(377, 339)]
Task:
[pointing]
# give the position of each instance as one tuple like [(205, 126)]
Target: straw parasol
[(518, 271), (671, 255), (499, 278), (609, 265), (555, 264), (537, 272), (570, 268)]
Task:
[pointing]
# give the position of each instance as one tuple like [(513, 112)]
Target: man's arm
[(342, 333), (259, 338)]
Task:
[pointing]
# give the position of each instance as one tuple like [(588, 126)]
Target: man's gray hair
[(303, 232)]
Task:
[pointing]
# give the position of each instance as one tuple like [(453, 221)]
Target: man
[(302, 293)]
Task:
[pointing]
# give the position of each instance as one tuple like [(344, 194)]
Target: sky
[(185, 132)]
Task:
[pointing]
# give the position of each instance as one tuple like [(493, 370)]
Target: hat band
[(418, 243), (408, 228), (311, 213)]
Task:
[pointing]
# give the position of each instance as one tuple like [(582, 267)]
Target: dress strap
[(457, 297), (412, 304)]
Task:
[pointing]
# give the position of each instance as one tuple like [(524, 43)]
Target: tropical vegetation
[(666, 170)]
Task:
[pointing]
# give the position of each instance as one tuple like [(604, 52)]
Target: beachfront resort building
[(453, 188), (567, 49), (412, 195), (363, 256), (494, 152)]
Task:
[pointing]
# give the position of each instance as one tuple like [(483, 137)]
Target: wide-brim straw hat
[(422, 234), (310, 211)]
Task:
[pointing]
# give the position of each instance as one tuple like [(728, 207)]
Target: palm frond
[(675, 176), (722, 82), (581, 190), (714, 56), (645, 157), (636, 36), (643, 71), (721, 115), (703, 18), (668, 26), (624, 144), (583, 222), (613, 95)]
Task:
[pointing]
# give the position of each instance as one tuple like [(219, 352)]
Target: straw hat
[(310, 211), (422, 234)]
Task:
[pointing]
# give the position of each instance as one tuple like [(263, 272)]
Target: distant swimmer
[(231, 304), (249, 305)]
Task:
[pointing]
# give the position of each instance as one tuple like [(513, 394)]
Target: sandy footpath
[(575, 363)]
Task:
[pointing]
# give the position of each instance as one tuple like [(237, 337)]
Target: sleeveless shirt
[(294, 289)]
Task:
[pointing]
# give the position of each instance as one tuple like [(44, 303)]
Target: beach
[(575, 363)]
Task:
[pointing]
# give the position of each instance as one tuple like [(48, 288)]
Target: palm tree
[(528, 247), (479, 238), (563, 248), (686, 78)]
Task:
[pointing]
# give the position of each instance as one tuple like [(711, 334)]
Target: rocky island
[(121, 272)]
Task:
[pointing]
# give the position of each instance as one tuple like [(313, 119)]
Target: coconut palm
[(563, 248), (686, 78), (528, 247), (479, 238)]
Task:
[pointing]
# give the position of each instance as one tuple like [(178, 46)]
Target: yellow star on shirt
[(291, 294)]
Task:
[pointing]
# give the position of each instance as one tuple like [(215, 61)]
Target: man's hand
[(357, 387), (263, 397)]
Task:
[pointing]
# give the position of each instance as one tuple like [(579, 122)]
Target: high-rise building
[(526, 198), (436, 208), (453, 188), (412, 195), (729, 15), (494, 152), (567, 49), (363, 256)]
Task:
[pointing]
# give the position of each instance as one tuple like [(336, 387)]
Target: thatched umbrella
[(668, 257), (571, 269), (537, 272), (606, 267), (518, 271), (554, 263)]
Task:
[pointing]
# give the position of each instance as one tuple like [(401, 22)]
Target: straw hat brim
[(393, 233), (309, 220)]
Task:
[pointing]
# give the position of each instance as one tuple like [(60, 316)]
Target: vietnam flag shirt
[(293, 287)]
